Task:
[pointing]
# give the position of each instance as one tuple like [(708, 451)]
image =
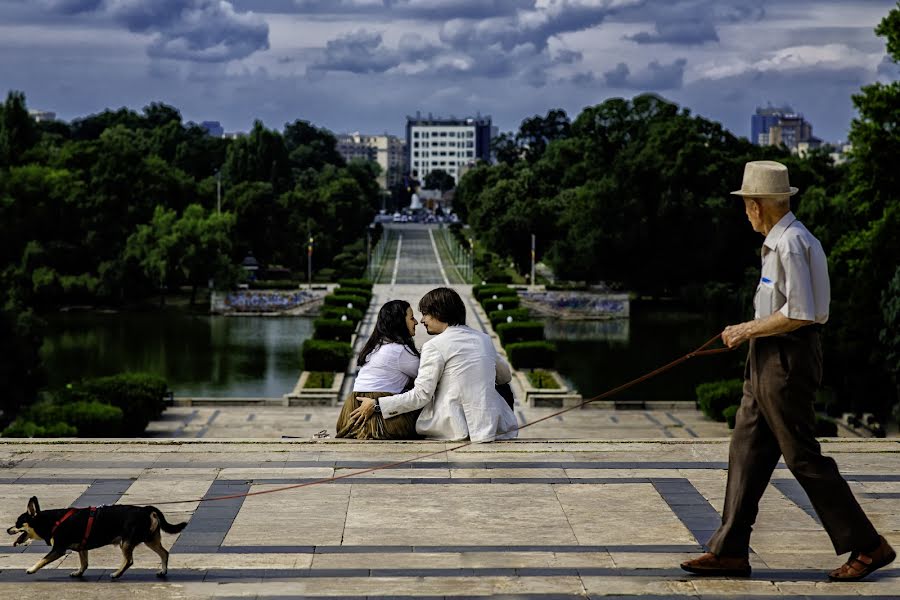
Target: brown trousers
[(776, 417), (376, 427)]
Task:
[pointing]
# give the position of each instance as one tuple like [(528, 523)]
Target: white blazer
[(455, 389)]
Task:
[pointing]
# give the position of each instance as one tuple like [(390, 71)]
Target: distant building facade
[(447, 144), (42, 115), (213, 128), (388, 151), (781, 126)]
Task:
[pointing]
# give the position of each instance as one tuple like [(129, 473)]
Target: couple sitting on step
[(446, 392)]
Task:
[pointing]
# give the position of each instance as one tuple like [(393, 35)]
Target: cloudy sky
[(365, 64)]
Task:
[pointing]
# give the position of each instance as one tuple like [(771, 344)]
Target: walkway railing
[(463, 258), (378, 256)]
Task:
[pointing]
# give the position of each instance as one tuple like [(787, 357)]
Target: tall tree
[(439, 179), (18, 133)]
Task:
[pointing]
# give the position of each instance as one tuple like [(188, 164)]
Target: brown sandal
[(861, 565)]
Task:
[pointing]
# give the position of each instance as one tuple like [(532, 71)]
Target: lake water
[(260, 356), (198, 355)]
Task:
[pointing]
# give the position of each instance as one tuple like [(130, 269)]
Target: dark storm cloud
[(415, 9), (678, 32), (193, 30), (655, 77)]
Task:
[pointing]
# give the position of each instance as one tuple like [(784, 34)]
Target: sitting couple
[(453, 396)]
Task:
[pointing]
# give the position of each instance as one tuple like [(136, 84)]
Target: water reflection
[(198, 355), (596, 356)]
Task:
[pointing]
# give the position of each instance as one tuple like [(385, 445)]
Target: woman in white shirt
[(387, 365)]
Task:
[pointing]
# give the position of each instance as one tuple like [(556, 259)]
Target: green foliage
[(541, 379), (20, 343), (322, 355), (531, 355), (359, 284), (729, 414), (140, 396), (492, 304), (439, 179), (275, 284), (522, 331), (352, 291), (29, 429), (89, 418), (482, 292), (342, 300), (319, 379), (825, 427), (17, 130), (714, 397), (333, 329), (353, 315), (500, 316)]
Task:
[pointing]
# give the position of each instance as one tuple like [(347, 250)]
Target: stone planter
[(561, 397), (303, 396)]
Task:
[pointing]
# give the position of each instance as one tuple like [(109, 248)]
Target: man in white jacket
[(455, 387)]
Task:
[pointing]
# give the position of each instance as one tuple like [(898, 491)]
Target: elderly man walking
[(782, 373)]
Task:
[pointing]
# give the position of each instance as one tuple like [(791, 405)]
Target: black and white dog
[(84, 529)]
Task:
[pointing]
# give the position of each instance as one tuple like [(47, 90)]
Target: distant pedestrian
[(388, 364), (782, 373)]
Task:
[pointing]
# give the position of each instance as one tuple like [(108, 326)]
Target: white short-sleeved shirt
[(794, 279), (388, 369)]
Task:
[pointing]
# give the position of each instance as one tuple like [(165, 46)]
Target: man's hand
[(735, 335), (366, 409)]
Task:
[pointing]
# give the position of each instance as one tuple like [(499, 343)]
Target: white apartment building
[(447, 144)]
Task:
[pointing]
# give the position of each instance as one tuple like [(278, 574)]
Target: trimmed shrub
[(30, 429), (359, 284), (730, 413), (140, 396), (333, 329), (486, 291), (542, 379), (319, 379), (517, 314), (523, 331), (348, 291), (508, 302), (531, 355), (335, 300), (336, 312), (89, 418), (716, 396), (324, 355)]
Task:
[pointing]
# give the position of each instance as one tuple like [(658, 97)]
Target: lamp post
[(309, 251)]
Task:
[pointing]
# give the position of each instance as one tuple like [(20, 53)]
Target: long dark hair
[(389, 328)]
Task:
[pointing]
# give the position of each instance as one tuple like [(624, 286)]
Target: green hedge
[(729, 413), (30, 429), (508, 302), (336, 312), (319, 380), (486, 291), (348, 291), (140, 396), (333, 329), (360, 284), (713, 398), (517, 314), (341, 300), (531, 355), (522, 331), (323, 355), (542, 380)]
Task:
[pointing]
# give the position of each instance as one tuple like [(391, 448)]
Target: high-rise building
[(781, 126), (386, 150), (447, 144), (42, 115), (213, 128)]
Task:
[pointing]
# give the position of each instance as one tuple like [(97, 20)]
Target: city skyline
[(364, 65)]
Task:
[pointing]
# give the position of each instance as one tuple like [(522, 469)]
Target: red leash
[(701, 351)]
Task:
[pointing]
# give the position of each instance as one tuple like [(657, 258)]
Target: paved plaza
[(524, 519)]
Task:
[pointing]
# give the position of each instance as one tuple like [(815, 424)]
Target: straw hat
[(765, 178)]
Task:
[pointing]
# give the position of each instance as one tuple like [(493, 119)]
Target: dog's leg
[(127, 560), (54, 554), (83, 559), (155, 544)]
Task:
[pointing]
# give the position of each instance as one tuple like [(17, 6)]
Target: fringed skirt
[(376, 427)]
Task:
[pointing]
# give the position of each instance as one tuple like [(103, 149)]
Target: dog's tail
[(165, 525)]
